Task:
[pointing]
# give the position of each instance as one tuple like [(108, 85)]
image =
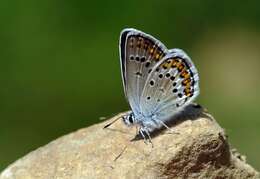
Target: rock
[(197, 147)]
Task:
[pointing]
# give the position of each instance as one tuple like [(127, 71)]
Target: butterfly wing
[(173, 83), (139, 53)]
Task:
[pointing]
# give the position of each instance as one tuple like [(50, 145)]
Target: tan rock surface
[(198, 149)]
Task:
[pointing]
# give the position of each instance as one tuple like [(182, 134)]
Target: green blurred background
[(59, 65)]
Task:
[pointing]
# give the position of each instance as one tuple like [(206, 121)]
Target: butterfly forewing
[(172, 84), (139, 53)]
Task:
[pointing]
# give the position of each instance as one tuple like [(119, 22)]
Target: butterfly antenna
[(106, 126)]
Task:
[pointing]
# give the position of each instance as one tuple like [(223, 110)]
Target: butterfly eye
[(130, 119)]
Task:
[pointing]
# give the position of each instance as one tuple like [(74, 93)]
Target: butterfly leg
[(143, 132)]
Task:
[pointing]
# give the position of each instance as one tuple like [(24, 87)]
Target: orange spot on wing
[(151, 50), (157, 56), (181, 66), (175, 63), (186, 81), (184, 74), (187, 91)]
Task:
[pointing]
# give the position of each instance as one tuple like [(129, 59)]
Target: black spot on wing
[(138, 73), (147, 64), (151, 82)]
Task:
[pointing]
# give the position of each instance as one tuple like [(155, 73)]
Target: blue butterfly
[(158, 82)]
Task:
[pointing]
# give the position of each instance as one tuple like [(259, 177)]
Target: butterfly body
[(158, 83)]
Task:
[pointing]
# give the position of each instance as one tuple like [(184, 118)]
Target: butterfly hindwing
[(172, 84), (139, 53)]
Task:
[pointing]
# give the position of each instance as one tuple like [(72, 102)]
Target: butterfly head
[(129, 119)]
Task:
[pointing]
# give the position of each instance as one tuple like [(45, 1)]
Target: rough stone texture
[(197, 149)]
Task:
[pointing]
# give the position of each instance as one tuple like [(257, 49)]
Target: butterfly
[(158, 82)]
